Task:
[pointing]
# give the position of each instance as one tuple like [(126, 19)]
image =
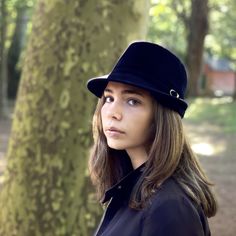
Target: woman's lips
[(113, 132)]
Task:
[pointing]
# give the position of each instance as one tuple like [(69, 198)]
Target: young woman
[(141, 164)]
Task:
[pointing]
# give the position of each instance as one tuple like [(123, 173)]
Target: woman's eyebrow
[(132, 91), (108, 90), (126, 91)]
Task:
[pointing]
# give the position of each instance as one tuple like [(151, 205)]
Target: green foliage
[(165, 26), (222, 36), (169, 26), (11, 4), (215, 111)]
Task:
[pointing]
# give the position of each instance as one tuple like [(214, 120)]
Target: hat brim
[(97, 86)]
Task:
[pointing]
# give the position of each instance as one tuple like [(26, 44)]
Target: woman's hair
[(170, 155)]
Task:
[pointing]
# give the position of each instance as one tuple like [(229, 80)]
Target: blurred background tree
[(15, 24), (15, 49), (46, 191)]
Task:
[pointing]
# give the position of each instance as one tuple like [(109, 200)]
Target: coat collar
[(126, 184)]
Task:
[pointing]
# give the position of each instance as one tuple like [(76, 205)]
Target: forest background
[(48, 50)]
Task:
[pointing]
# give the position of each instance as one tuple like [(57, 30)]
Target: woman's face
[(126, 117)]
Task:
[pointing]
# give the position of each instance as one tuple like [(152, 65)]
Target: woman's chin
[(116, 146)]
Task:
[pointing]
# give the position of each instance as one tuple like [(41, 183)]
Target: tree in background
[(197, 27), (15, 50), (12, 27), (182, 26), (45, 191)]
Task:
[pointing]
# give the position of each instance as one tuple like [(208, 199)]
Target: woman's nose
[(115, 111)]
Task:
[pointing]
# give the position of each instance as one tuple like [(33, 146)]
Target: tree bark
[(46, 191), (198, 28)]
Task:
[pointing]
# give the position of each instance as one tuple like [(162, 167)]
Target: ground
[(216, 152), (219, 162)]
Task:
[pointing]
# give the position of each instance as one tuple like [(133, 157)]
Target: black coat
[(169, 213)]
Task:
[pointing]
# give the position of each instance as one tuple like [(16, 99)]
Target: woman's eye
[(133, 102), (108, 99)]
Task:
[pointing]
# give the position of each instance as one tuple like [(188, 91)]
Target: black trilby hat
[(151, 67)]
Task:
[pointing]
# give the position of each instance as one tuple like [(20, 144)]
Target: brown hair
[(170, 155)]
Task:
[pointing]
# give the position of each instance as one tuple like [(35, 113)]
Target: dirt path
[(219, 160), (217, 156)]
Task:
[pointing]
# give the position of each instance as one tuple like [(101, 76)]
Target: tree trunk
[(198, 28), (3, 59), (46, 191)]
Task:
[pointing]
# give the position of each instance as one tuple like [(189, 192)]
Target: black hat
[(151, 67)]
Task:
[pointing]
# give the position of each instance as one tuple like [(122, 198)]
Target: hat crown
[(156, 65)]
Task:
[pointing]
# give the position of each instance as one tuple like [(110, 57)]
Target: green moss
[(71, 61), (64, 99)]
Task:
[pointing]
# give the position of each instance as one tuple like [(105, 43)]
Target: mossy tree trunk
[(46, 191)]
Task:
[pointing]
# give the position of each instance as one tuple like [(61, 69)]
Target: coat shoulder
[(170, 193), (170, 188), (172, 212)]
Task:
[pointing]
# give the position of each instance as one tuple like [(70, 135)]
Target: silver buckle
[(173, 93)]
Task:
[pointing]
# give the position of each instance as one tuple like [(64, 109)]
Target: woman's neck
[(137, 156)]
